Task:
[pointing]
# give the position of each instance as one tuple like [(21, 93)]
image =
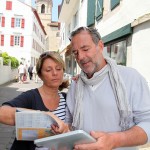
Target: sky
[(54, 9)]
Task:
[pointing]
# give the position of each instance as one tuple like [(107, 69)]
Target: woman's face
[(52, 73)]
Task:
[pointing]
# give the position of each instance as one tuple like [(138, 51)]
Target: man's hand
[(134, 136), (75, 78), (104, 141)]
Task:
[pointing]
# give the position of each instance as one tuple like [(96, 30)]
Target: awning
[(124, 31)]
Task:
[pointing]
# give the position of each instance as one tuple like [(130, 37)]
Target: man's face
[(87, 54)]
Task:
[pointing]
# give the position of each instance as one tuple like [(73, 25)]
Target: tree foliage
[(6, 59), (14, 62)]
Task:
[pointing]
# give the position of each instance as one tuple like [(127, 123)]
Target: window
[(106, 50), (16, 40), (58, 34), (99, 9), (114, 3), (43, 8), (1, 40), (91, 13), (8, 5), (17, 22), (2, 21), (117, 51)]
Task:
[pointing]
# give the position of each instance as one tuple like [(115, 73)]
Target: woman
[(50, 68)]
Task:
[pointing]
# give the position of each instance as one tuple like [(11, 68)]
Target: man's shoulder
[(130, 74), (127, 70)]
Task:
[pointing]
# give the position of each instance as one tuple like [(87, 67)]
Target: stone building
[(44, 9)]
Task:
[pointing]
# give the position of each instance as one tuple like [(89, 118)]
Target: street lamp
[(67, 1)]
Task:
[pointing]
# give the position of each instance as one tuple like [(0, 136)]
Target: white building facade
[(21, 32), (124, 26)]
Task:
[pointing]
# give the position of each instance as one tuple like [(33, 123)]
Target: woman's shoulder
[(31, 92)]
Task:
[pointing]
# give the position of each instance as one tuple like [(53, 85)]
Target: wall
[(7, 74), (122, 15), (140, 49)]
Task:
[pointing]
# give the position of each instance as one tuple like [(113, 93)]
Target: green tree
[(14, 62), (7, 59)]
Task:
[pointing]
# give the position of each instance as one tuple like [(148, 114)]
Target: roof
[(36, 15), (38, 18)]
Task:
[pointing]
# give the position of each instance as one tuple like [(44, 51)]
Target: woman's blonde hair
[(55, 56)]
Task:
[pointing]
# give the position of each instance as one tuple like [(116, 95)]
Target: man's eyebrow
[(84, 46)]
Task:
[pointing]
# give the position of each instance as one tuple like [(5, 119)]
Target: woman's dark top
[(32, 100)]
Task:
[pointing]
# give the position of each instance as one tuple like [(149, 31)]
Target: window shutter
[(3, 21), (8, 5), (2, 40), (11, 40), (22, 41), (12, 22), (99, 9), (22, 23), (91, 12), (114, 3)]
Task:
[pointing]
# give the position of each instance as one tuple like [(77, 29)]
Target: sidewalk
[(7, 92)]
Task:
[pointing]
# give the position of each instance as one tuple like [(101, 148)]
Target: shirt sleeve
[(141, 104), (139, 97), (23, 100)]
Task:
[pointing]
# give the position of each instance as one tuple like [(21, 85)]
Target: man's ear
[(101, 45)]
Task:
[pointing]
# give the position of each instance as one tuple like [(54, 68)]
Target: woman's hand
[(61, 127)]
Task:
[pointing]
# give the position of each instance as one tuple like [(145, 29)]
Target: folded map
[(31, 125)]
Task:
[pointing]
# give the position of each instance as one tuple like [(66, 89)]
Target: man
[(21, 71), (109, 101), (30, 72)]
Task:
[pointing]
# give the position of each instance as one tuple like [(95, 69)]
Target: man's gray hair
[(92, 31)]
